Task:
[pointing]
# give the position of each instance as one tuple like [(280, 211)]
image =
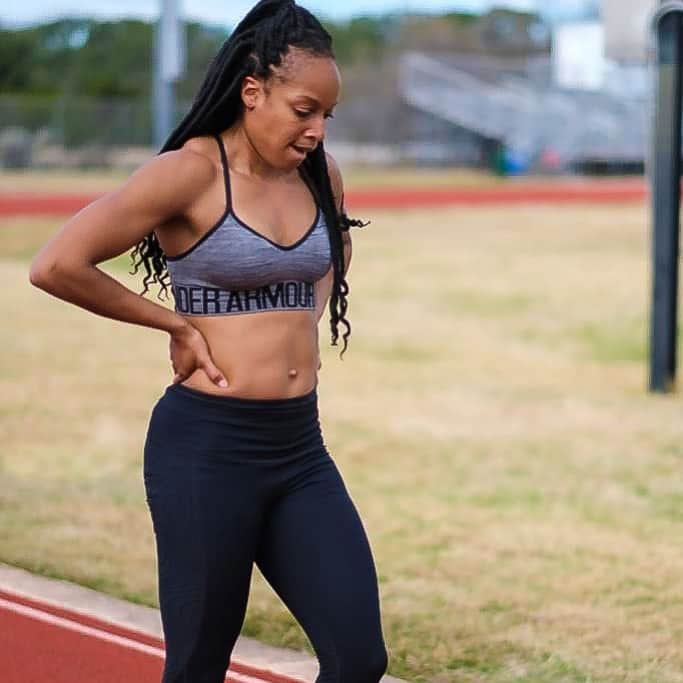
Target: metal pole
[(162, 94), (666, 192), (169, 64)]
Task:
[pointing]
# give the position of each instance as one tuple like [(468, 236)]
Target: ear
[(252, 91)]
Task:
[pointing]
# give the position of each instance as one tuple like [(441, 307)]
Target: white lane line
[(242, 678), (48, 618)]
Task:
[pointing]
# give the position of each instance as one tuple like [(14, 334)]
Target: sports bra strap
[(226, 173), (303, 172)]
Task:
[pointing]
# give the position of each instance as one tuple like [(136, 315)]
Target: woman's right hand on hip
[(189, 352)]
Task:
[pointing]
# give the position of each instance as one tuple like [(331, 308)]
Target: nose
[(316, 133)]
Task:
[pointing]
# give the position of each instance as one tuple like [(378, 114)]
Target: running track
[(511, 192), (41, 642)]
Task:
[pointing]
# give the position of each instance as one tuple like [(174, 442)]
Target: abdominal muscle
[(270, 354)]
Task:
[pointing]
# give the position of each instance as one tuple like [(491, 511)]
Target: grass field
[(358, 177), (521, 489)]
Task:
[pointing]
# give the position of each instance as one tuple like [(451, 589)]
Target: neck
[(245, 159)]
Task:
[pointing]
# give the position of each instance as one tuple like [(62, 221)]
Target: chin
[(288, 161)]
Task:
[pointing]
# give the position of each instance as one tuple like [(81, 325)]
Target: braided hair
[(260, 40)]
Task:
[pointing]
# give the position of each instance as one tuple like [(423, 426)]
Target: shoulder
[(190, 159), (178, 175), (198, 156), (335, 180), (165, 186)]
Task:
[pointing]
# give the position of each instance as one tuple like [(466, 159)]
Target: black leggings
[(231, 481)]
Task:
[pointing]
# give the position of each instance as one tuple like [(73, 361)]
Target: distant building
[(500, 32), (503, 88), (516, 34), (627, 29), (578, 55), (608, 54)]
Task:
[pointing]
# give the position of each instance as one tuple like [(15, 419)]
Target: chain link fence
[(373, 125)]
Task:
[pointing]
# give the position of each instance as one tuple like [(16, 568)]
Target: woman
[(239, 206)]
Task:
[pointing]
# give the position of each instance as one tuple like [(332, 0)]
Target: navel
[(293, 372)]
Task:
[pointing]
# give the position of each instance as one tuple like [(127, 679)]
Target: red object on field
[(42, 204), (46, 642)]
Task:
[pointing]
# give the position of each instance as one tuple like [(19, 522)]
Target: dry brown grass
[(520, 487), (60, 181), (354, 178)]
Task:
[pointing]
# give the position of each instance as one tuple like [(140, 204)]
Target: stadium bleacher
[(516, 102)]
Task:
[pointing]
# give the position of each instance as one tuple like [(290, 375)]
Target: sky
[(229, 12)]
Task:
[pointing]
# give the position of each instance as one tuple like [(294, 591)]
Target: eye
[(303, 114)]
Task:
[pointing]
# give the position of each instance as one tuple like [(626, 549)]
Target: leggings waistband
[(219, 401)]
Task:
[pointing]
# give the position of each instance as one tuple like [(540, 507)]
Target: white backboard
[(627, 28)]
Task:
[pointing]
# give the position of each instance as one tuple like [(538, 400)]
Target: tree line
[(81, 80), (114, 58)]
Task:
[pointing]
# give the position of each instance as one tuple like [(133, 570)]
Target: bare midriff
[(270, 354)]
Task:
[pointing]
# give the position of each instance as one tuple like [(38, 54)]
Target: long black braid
[(260, 40)]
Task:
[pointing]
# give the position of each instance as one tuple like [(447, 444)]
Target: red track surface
[(517, 193), (42, 204), (43, 642)]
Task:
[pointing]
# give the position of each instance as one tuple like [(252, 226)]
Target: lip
[(303, 150), (300, 155)]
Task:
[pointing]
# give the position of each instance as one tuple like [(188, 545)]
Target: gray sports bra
[(234, 269)]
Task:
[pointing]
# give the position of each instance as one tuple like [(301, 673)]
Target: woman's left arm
[(323, 287)]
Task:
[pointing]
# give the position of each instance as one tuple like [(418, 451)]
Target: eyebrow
[(315, 101)]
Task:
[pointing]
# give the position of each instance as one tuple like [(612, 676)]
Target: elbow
[(45, 274), (39, 274)]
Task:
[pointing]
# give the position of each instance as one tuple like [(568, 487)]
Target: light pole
[(169, 65), (666, 194)]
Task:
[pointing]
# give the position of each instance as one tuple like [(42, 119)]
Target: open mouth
[(301, 150)]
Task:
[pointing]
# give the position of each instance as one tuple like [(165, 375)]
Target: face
[(291, 110)]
